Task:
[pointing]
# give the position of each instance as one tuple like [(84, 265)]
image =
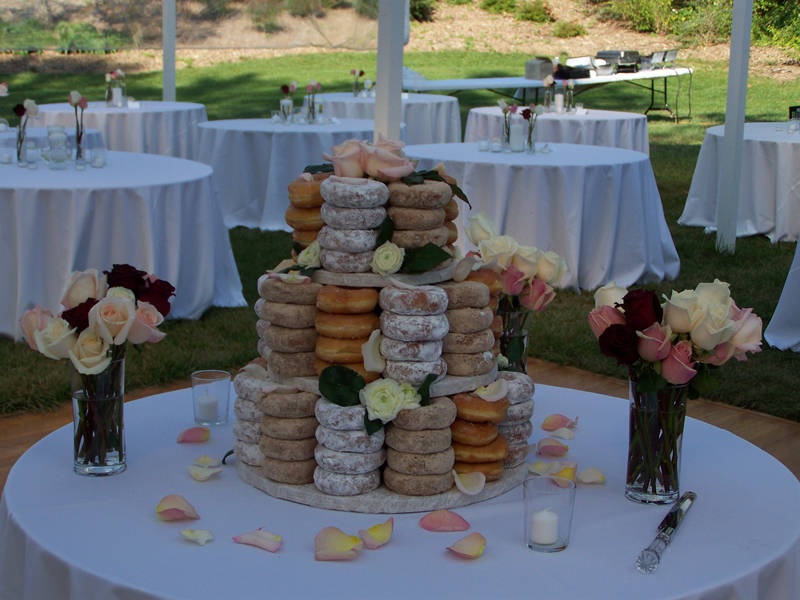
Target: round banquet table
[(255, 160), (158, 213), (783, 330), (168, 128), (67, 536), (430, 118), (596, 128), (38, 135), (769, 197), (597, 207)]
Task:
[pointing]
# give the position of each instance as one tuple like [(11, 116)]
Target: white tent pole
[(733, 142), (389, 71), (168, 20)]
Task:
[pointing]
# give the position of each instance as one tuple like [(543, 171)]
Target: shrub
[(367, 8), (422, 10), (305, 8), (459, 2), (499, 7), (264, 15), (704, 22), (565, 29), (538, 11), (776, 22), (641, 15)]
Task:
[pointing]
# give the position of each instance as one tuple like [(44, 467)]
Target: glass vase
[(655, 436), (547, 101), (530, 145), (287, 106), (97, 415), (570, 100), (514, 339), (22, 146), (355, 88), (119, 95), (311, 113), (109, 95)]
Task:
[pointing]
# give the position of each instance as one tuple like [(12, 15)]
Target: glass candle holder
[(549, 503), (210, 396)]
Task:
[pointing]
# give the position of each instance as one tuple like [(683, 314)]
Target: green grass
[(226, 338)]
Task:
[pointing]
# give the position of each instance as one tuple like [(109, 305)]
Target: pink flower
[(513, 109), (379, 163), (318, 86), (309, 88), (83, 104), (654, 343), (676, 368), (34, 320), (513, 281), (537, 295), (393, 146), (600, 318), (144, 328), (720, 355), (746, 334), (348, 164), (352, 71)]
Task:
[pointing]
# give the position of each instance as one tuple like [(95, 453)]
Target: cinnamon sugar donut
[(295, 316), (477, 410), (465, 365), (516, 434), (414, 373), (304, 219), (496, 450), (347, 326), (347, 192), (409, 328), (348, 463), (369, 376), (275, 290), (426, 441), (490, 277), (410, 239), (473, 434), (304, 193), (437, 414), (345, 300), (346, 262), (416, 218), (289, 429), (288, 406), (467, 343), (352, 218), (287, 449), (451, 209), (407, 463), (340, 418), (347, 240), (410, 351), (420, 300), (469, 320), (520, 386), (350, 441), (452, 232), (417, 485), (304, 238), (431, 194), (492, 470), (298, 364), (297, 472), (517, 453), (340, 351), (342, 484), (466, 294), (286, 339)]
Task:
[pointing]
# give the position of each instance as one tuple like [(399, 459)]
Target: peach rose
[(83, 285), (32, 321), (393, 146), (56, 340), (654, 342), (144, 327), (600, 319), (90, 353), (537, 295), (513, 281), (746, 333), (346, 158), (676, 368), (112, 318), (383, 164)]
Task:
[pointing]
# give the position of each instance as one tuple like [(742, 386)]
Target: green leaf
[(418, 177), (420, 260), (513, 352), (341, 385), (385, 232), (650, 383), (323, 168), (705, 382), (307, 271), (414, 178), (425, 389), (290, 268), (227, 454), (371, 426)]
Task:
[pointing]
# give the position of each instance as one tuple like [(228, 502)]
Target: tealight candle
[(483, 145), (116, 96), (544, 527), (3, 127), (6, 158), (207, 408), (496, 146)]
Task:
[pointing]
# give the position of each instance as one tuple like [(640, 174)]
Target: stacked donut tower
[(423, 214), (304, 214)]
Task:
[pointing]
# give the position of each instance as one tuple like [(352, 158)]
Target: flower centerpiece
[(507, 112), (102, 314), (311, 95), (530, 115), (76, 101), (116, 91), (356, 73), (368, 85), (286, 102), (672, 351), (570, 95), (548, 83), (24, 111)]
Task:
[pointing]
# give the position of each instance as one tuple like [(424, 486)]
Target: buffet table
[(154, 127), (92, 138), (255, 160), (599, 208), (158, 213), (783, 331), (595, 128), (769, 197), (430, 118), (66, 536)]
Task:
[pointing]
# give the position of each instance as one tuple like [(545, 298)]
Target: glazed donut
[(298, 364), (287, 449), (248, 453), (414, 373), (304, 238), (352, 218), (410, 239), (473, 434), (465, 365), (475, 409), (304, 219), (340, 351), (520, 386), (289, 429), (261, 327), (467, 343), (451, 210), (294, 472), (346, 262), (517, 434), (350, 441), (409, 328), (343, 300), (496, 450), (466, 294), (426, 441), (491, 278), (295, 316), (304, 193), (347, 192), (497, 327), (469, 320), (410, 351), (494, 304), (347, 240), (347, 327), (417, 485), (275, 290), (491, 470), (369, 376), (340, 418), (247, 431), (517, 453), (416, 218), (452, 232), (285, 339), (348, 463), (437, 414), (420, 300), (437, 463), (246, 410), (431, 194), (341, 484), (288, 406)]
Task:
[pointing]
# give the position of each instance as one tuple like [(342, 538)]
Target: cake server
[(649, 558)]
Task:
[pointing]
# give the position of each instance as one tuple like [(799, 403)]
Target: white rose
[(74, 98), (112, 318), (718, 292), (551, 268), (120, 292), (501, 248), (609, 295), (527, 260), (383, 399), (90, 353), (412, 397), (680, 311), (480, 228), (713, 327), (309, 257), (387, 259), (56, 340), (83, 285), (144, 327), (31, 110)]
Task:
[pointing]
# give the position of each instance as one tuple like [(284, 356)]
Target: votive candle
[(544, 527)]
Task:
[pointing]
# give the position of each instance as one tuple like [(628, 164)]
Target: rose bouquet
[(530, 115), (102, 313), (24, 111), (356, 73), (548, 83), (76, 101), (507, 112), (116, 91), (311, 94)]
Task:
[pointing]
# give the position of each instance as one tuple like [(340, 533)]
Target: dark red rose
[(157, 293), (19, 110), (620, 342), (78, 317), (285, 88), (641, 309), (361, 73), (125, 276), (526, 114)]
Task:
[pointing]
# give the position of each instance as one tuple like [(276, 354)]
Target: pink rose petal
[(377, 535), (194, 435), (334, 544), (261, 539), (198, 536), (471, 546), (443, 520), (554, 422), (175, 507), (551, 447)]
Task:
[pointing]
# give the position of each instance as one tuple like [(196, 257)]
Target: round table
[(599, 208), (158, 213), (596, 128), (783, 331), (769, 197), (168, 128), (255, 160), (92, 138), (431, 118), (67, 536)]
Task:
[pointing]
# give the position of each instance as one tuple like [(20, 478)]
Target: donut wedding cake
[(380, 352)]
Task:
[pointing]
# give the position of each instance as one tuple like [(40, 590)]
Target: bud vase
[(287, 106), (355, 89), (514, 339), (22, 146), (547, 101), (311, 113), (97, 414)]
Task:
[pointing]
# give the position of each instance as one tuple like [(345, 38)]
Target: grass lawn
[(226, 338)]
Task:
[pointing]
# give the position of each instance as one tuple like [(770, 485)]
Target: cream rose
[(609, 295), (32, 321), (83, 285), (383, 164), (309, 257), (387, 259), (145, 325), (74, 98), (90, 353), (501, 248), (712, 327), (680, 311), (56, 340), (412, 397), (31, 110), (120, 292), (383, 398), (393, 146), (480, 228), (718, 292), (551, 268), (527, 260), (112, 318)]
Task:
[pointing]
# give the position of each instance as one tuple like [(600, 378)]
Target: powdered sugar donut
[(516, 434), (340, 418), (247, 431), (352, 218), (414, 372), (520, 386), (347, 240), (518, 413), (410, 328), (346, 262), (263, 350), (248, 453), (349, 463), (339, 484), (350, 441), (349, 192), (261, 327), (410, 351), (246, 410), (420, 300), (517, 453)]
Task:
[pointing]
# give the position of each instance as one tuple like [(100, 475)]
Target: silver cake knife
[(649, 558)]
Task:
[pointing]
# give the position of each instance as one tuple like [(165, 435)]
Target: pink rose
[(83, 104), (144, 327), (676, 368), (34, 320), (348, 164), (309, 88), (112, 319), (379, 163), (513, 281), (393, 146), (352, 71), (600, 319), (83, 285), (537, 295), (654, 343), (513, 109), (746, 333), (720, 355), (318, 86)]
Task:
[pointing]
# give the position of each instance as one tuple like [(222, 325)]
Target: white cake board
[(381, 500), (374, 280)]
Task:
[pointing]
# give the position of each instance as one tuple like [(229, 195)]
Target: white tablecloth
[(38, 135), (596, 128), (430, 118), (67, 536), (157, 213), (255, 160), (769, 197), (597, 207), (783, 330), (168, 128)]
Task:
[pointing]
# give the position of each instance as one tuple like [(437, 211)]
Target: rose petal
[(443, 520), (464, 267), (493, 392), (377, 535), (567, 471), (371, 353), (543, 468), (291, 277), (203, 473), (470, 483), (194, 435), (334, 544), (174, 508), (591, 475), (261, 539), (551, 447), (199, 536), (471, 546), (206, 461), (563, 433), (554, 422), (255, 371)]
